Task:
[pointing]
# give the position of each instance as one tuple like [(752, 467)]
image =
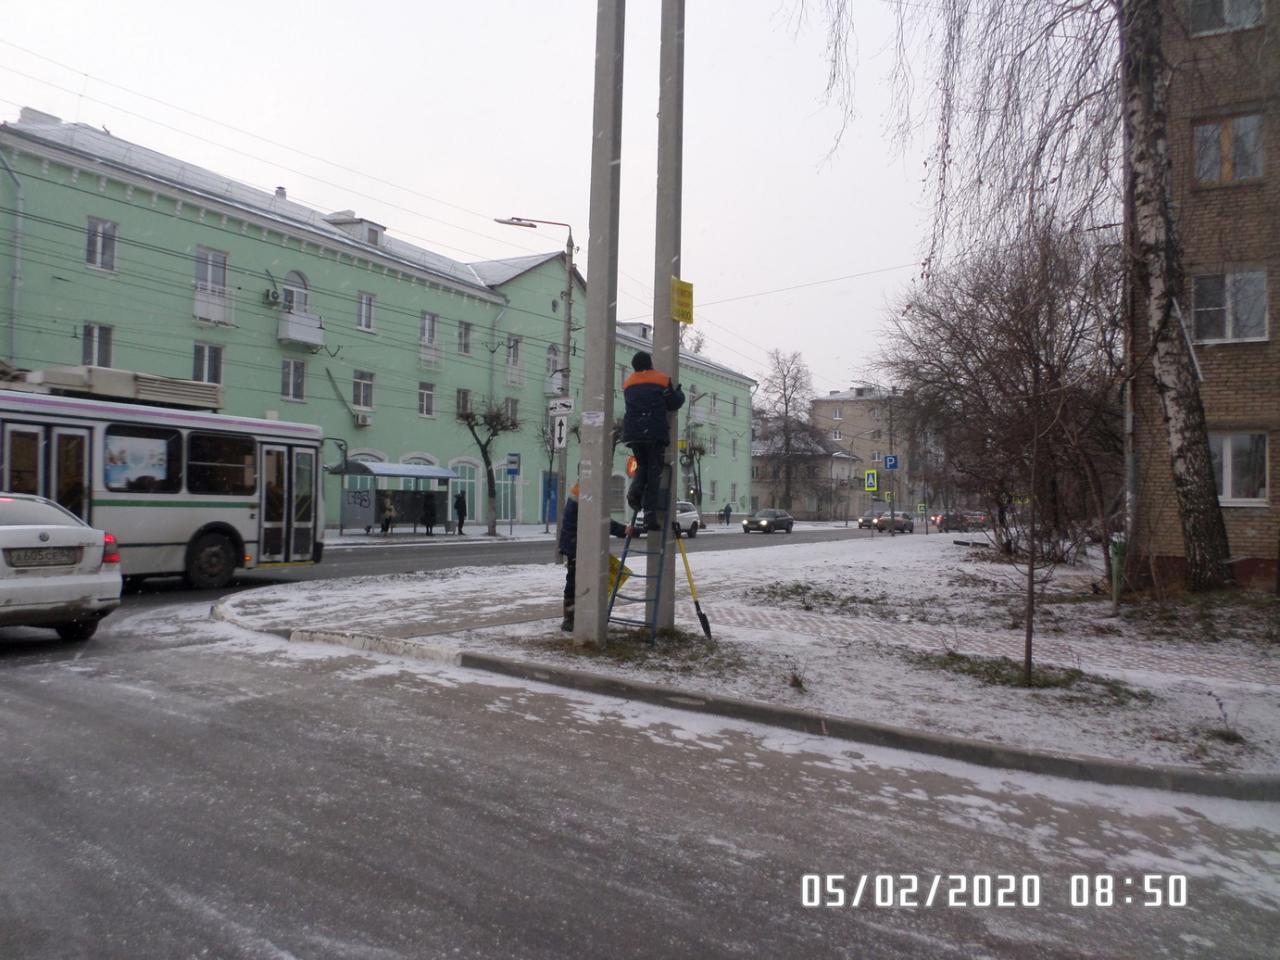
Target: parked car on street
[(902, 522), (976, 519), (768, 520), (55, 570), (687, 518), (951, 523), (868, 519)]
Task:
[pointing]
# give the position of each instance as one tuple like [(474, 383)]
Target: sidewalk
[(855, 669)]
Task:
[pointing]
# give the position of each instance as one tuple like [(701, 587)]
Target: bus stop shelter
[(363, 505)]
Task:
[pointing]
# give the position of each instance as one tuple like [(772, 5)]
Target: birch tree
[(1055, 110)]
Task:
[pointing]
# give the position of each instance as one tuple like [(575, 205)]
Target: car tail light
[(110, 550)]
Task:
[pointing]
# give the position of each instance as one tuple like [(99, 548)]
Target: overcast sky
[(433, 118)]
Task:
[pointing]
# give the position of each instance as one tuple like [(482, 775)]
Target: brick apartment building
[(1224, 137), (860, 421)]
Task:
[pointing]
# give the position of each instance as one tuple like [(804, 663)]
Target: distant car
[(902, 522), (977, 519), (768, 521), (55, 570), (868, 519), (951, 523), (687, 518)]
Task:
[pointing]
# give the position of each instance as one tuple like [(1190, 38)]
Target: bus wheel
[(211, 562)]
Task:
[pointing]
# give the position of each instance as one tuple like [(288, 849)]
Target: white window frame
[(464, 338), (1228, 474), (362, 389), (733, 448), (875, 456), (207, 362), (293, 379), (97, 346), (366, 305), (715, 445), (209, 264), (1229, 307), (297, 295), (837, 413), (1226, 136), (835, 434), (428, 327), (462, 401), (1227, 6), (426, 399), (511, 407), (100, 244)]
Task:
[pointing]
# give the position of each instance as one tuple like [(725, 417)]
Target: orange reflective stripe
[(646, 376)]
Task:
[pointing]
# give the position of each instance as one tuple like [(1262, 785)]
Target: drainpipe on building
[(15, 265)]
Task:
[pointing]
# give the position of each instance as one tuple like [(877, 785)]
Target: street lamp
[(563, 464)]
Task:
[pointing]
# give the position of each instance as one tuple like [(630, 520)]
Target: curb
[(1091, 769)]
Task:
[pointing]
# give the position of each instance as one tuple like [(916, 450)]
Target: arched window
[(418, 483), (363, 482), (296, 297)]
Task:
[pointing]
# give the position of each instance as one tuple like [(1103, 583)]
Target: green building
[(113, 255)]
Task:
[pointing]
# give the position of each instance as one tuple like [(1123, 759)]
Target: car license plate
[(42, 556)]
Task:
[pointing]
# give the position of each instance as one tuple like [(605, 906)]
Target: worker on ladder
[(649, 396), (568, 547)]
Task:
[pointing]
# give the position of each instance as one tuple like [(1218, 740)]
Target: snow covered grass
[(904, 630)]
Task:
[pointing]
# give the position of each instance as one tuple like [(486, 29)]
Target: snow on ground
[(846, 618)]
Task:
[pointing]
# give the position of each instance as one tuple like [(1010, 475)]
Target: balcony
[(429, 355), (306, 329), (213, 305), (515, 375)]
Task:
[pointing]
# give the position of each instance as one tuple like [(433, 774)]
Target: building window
[(207, 364), (755, 472), (211, 271), (553, 360), (295, 295), (733, 492), (715, 498), (1228, 150), (364, 310), (1217, 16), (96, 345), (733, 449), (515, 376), (875, 413), (877, 434), (837, 413), (293, 378), (463, 402), (875, 456), (715, 403), (427, 329), (715, 444), (735, 406), (511, 407), (464, 337), (373, 236), (1240, 466), (362, 389), (835, 434), (1230, 306), (100, 244), (426, 399)]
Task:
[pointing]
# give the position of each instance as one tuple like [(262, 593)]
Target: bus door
[(69, 466), (288, 504)]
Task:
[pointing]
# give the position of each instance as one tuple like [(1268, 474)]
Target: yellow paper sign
[(681, 301)]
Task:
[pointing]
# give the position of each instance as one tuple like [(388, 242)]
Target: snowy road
[(186, 789)]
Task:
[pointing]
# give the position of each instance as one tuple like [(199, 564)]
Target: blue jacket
[(649, 395), (569, 526)]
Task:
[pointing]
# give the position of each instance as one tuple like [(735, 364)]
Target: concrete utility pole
[(596, 464), (666, 340), (562, 464)]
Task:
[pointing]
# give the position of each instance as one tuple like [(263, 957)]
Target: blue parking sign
[(891, 461)]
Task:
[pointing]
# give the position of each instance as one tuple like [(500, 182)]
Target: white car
[(55, 570), (687, 518)]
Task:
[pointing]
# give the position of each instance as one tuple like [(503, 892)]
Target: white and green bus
[(184, 492)]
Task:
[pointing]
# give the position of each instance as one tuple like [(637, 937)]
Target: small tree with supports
[(485, 427)]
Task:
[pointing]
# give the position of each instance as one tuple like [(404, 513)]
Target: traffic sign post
[(513, 464), (890, 461), (560, 431), (871, 480), (558, 406)]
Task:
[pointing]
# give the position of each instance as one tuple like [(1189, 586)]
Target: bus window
[(220, 463), (143, 459)]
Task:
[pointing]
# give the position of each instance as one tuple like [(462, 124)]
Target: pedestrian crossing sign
[(872, 480)]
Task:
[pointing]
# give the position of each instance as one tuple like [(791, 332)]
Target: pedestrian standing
[(460, 509), (728, 513), (388, 512), (568, 547), (649, 396), (429, 513)]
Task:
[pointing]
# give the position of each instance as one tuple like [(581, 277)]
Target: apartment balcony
[(515, 375), (306, 329), (213, 305)]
